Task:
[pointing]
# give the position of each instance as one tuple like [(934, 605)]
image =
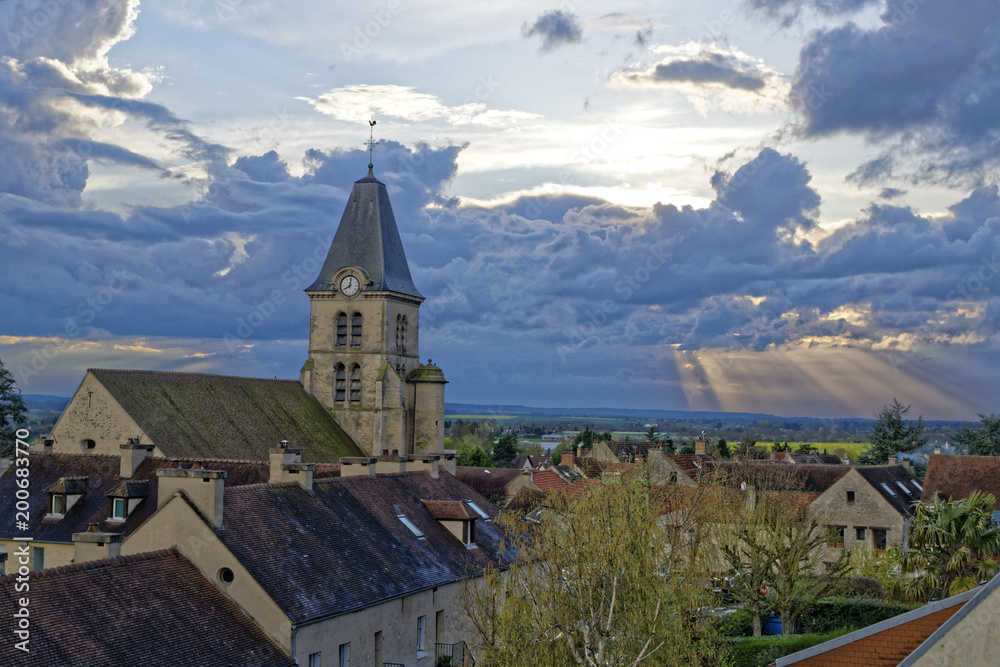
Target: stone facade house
[(867, 507)]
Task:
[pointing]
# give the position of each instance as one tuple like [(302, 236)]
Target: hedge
[(763, 651), (835, 613)]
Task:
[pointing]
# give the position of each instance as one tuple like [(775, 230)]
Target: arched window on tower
[(356, 383), (356, 330), (340, 383), (402, 336), (399, 332), (341, 328)]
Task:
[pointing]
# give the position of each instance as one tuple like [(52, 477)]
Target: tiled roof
[(800, 477), (100, 473), (197, 414), (887, 643), (533, 461), (567, 473), (454, 510), (344, 547), (626, 450), (470, 474), (958, 476), (689, 464), (146, 609), (895, 484), (546, 480)]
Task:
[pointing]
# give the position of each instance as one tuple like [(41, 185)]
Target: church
[(361, 392)]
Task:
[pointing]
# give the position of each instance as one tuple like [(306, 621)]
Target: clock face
[(350, 285)]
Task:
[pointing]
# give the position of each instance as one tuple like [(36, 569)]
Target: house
[(682, 469), (117, 493), (145, 609), (952, 476), (497, 484), (770, 475), (867, 507), (196, 415), (526, 462), (363, 564), (960, 630)]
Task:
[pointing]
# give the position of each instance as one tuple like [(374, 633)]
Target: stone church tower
[(363, 335)]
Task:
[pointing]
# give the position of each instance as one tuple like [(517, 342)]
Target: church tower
[(363, 335)]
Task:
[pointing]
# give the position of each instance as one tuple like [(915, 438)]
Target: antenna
[(371, 143)]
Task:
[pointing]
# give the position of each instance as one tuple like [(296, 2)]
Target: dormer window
[(125, 497), (64, 494), (458, 517)]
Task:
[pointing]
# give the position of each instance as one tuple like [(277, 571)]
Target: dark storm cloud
[(710, 68), (556, 28), (924, 82)]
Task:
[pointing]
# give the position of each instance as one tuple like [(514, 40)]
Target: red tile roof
[(690, 464), (146, 609), (546, 480), (958, 476)]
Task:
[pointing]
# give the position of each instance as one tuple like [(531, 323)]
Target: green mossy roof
[(218, 416)]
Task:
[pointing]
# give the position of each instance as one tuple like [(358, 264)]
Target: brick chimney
[(287, 466), (204, 488), (567, 458), (132, 456), (356, 466), (95, 545), (906, 464), (700, 446)]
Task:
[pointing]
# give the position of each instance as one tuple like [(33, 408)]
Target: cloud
[(923, 86), (355, 103), (787, 11), (711, 76), (556, 28)]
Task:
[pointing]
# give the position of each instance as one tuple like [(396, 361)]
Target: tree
[(748, 449), (781, 447), (505, 451), (471, 451), (557, 454), (954, 545), (983, 439), (653, 434), (805, 448), (891, 433), (13, 412), (597, 580), (724, 452)]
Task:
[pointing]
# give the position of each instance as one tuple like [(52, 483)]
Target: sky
[(778, 206)]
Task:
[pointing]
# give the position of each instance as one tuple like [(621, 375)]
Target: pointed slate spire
[(368, 238)]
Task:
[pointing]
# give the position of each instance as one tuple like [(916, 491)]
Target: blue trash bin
[(772, 626)]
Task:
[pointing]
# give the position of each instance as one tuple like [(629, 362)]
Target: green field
[(853, 449), (481, 417)]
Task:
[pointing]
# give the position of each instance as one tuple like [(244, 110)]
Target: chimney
[(287, 466), (429, 462), (567, 458), (46, 445), (204, 488), (357, 466), (699, 446), (906, 464), (132, 456), (937, 449), (3, 562), (95, 545)]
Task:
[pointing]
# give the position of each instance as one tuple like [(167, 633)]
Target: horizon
[(725, 207)]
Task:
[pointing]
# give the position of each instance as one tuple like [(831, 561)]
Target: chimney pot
[(284, 444), (197, 465), (937, 449), (92, 528), (175, 463)]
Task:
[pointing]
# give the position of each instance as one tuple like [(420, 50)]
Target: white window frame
[(114, 505), (316, 659), (413, 528), (345, 655), (421, 634)]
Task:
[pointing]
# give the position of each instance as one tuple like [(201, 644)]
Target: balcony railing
[(453, 655)]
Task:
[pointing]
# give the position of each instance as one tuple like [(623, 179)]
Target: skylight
[(902, 487), (888, 490), (916, 484), (409, 524), (478, 510)]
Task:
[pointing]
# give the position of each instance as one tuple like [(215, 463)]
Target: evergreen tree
[(892, 433), (13, 412), (983, 439), (505, 451)]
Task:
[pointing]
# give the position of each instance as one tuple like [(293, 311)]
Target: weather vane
[(371, 141)]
